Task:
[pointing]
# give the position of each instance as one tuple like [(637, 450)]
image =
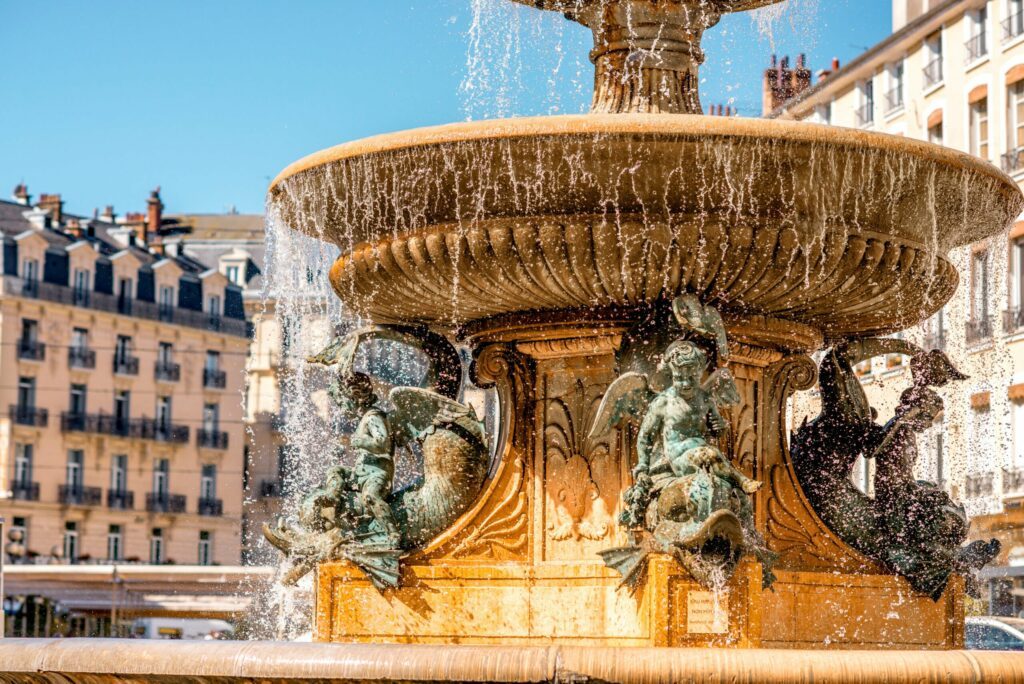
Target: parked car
[(992, 633)]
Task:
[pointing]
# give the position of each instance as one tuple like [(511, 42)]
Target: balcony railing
[(270, 489), (866, 114), (212, 439), (81, 357), (77, 495), (935, 340), (978, 486), (29, 415), (1013, 480), (894, 99), (31, 350), (976, 47), (136, 428), (167, 371), (25, 491), (978, 331), (1013, 321), (162, 502), (933, 73), (1013, 161), (1013, 26), (121, 500), (99, 301), (213, 507), (217, 379), (126, 365)]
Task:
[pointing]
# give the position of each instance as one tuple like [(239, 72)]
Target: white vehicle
[(181, 628), (992, 633)]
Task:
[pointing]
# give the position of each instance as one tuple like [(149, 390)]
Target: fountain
[(644, 289)]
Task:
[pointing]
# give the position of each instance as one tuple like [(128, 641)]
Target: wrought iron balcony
[(866, 114), (25, 491), (81, 357), (121, 500), (1013, 26), (31, 350), (212, 507), (77, 495), (1013, 161), (933, 73), (216, 379), (138, 428), (1013, 321), (162, 502), (976, 48), (29, 415), (1013, 481), (978, 331), (126, 365), (212, 439), (894, 99), (978, 485), (167, 371), (270, 489)]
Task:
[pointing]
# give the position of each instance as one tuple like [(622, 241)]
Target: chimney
[(108, 214), (154, 214), (781, 83), (156, 245), (21, 195), (53, 206)]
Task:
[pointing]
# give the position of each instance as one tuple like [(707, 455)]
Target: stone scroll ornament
[(910, 527), (355, 515), (687, 499)]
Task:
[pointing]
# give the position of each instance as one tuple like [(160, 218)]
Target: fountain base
[(580, 604)]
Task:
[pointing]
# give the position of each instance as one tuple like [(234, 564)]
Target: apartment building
[(121, 372), (952, 73)]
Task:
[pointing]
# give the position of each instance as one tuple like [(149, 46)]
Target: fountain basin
[(843, 230)]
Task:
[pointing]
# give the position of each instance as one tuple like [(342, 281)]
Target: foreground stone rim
[(100, 660)]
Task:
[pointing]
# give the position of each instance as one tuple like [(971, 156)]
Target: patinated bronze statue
[(355, 516), (687, 498), (911, 527)]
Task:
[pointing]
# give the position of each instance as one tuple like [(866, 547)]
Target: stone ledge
[(109, 660)]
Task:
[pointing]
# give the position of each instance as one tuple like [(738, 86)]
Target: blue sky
[(103, 100)]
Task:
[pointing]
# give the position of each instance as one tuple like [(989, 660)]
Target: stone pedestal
[(522, 567)]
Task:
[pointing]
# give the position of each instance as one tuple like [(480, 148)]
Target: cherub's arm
[(373, 435), (715, 422), (650, 430)]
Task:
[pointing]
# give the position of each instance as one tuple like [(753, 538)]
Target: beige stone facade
[(122, 436), (953, 74)]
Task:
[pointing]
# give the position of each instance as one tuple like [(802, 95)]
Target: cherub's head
[(687, 363), (355, 391)]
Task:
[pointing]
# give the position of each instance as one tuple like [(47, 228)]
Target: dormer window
[(232, 274), (125, 294), (82, 285), (166, 302), (213, 306), (30, 276)]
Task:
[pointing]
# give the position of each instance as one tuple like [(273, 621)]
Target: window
[(30, 271), (205, 548), (166, 300), (125, 294), (866, 113), (933, 57), (22, 465), (27, 394), (1015, 128), (76, 406), (71, 541), (211, 417), (122, 410), (80, 339), (894, 98), (979, 128), (161, 473), (935, 134), (212, 361), (20, 524), (1014, 24), (232, 274), (977, 44), (979, 286), (119, 473), (156, 546), (29, 332), (940, 458), (1017, 277), (208, 482), (82, 284), (165, 354), (123, 350), (213, 308), (978, 434), (115, 542), (163, 414), (73, 475)]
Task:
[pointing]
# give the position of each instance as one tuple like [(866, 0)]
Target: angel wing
[(418, 410), (626, 399), (722, 388)]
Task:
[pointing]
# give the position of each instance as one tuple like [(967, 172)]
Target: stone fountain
[(644, 287)]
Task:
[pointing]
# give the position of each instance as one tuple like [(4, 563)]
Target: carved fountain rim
[(643, 125)]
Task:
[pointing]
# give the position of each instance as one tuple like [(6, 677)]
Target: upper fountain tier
[(647, 53), (841, 229)]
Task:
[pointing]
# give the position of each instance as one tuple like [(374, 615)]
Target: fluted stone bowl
[(843, 230)]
